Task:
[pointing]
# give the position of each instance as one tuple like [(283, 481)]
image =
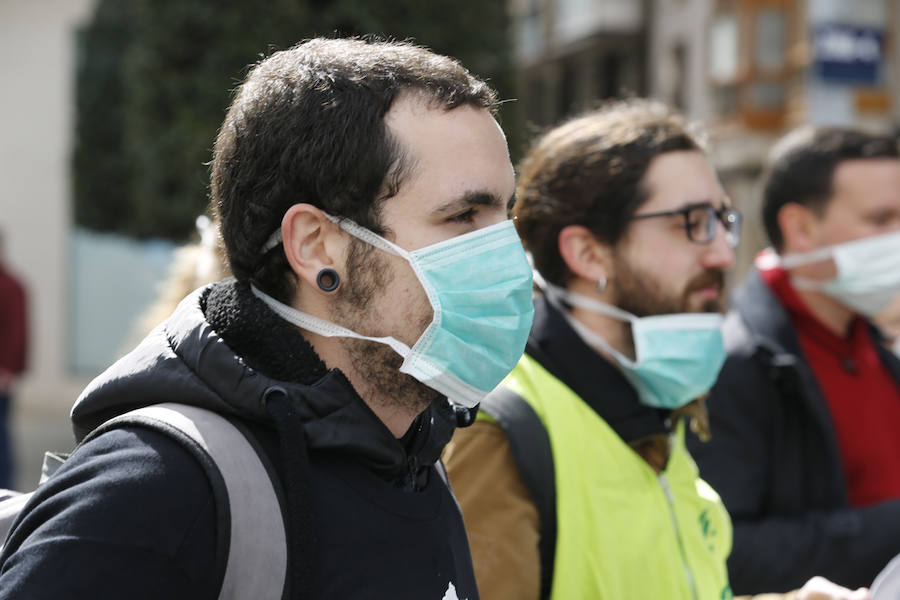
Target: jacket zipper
[(412, 466), (670, 497)]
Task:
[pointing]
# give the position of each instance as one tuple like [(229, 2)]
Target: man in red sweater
[(805, 416), (13, 347)]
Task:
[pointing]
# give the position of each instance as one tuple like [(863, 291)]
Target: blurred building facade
[(569, 53), (749, 70)]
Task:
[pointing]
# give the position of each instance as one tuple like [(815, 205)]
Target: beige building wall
[(677, 54), (37, 60)]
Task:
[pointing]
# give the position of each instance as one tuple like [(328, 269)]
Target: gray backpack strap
[(11, 504), (256, 563), (533, 455)]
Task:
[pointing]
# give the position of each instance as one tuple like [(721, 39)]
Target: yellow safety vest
[(624, 532)]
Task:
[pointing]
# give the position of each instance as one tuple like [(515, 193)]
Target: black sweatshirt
[(132, 515)]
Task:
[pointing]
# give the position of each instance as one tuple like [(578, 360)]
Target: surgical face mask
[(479, 286), (677, 356), (868, 272)]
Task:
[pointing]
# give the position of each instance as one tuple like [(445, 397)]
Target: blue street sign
[(848, 54)]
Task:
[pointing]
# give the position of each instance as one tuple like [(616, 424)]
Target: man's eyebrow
[(466, 201), (718, 203)]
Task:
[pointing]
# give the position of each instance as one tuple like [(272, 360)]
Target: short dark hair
[(802, 165), (590, 171), (307, 125)]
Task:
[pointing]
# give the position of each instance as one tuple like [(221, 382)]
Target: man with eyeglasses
[(806, 412), (575, 481)]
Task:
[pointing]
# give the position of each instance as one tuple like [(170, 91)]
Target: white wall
[(37, 54)]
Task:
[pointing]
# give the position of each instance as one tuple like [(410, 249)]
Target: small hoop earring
[(601, 283), (328, 280)]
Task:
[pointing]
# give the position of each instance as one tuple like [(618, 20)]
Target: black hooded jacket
[(774, 459), (132, 515)]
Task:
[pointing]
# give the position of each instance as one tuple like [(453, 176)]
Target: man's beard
[(640, 295), (368, 274)]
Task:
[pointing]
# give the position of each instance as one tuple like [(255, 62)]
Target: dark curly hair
[(307, 125), (589, 171), (801, 169)]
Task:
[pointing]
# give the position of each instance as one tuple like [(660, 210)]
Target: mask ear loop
[(581, 301), (323, 327), (556, 295), (367, 236), (789, 261)]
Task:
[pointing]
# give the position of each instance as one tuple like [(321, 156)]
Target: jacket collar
[(334, 416), (765, 317), (599, 383), (771, 329), (231, 362)]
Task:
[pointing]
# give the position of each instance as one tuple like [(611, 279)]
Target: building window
[(568, 89), (679, 65), (770, 39), (748, 67), (609, 76), (724, 46), (528, 27)]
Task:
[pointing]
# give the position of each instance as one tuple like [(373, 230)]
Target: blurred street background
[(109, 109)]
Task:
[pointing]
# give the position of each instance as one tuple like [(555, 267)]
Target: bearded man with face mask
[(575, 482), (380, 292), (806, 413)]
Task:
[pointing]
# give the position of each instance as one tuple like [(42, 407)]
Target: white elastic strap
[(771, 260), (592, 338), (323, 327), (821, 254), (789, 261), (580, 300), (273, 241), (358, 231), (805, 283), (350, 227), (374, 239)]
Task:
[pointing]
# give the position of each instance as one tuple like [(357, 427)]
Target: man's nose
[(719, 253)]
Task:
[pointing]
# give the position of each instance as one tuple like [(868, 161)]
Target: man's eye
[(696, 220), (464, 217), (883, 218), (693, 224)]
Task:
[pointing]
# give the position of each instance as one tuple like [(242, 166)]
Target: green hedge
[(154, 79)]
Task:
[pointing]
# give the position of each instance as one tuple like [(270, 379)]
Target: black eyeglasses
[(700, 222)]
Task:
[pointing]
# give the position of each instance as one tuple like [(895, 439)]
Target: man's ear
[(584, 255), (799, 228), (312, 242)]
